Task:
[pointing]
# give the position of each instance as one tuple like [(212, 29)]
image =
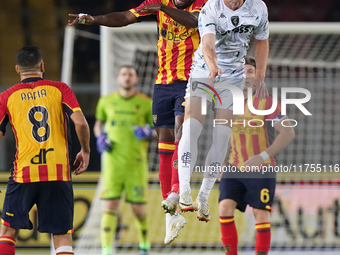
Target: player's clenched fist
[(81, 18), (104, 143)]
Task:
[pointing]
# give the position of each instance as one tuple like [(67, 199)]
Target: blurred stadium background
[(306, 211)]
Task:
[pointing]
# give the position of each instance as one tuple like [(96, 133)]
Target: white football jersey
[(232, 30)]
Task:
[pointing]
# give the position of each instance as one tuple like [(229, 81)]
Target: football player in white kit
[(225, 27)]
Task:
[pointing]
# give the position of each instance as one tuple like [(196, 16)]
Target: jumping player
[(225, 27), (177, 41)]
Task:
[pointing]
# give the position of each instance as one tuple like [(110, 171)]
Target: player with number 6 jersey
[(252, 146)]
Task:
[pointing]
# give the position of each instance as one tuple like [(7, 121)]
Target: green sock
[(108, 227), (142, 228)]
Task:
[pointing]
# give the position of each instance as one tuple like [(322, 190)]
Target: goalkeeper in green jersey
[(123, 125)]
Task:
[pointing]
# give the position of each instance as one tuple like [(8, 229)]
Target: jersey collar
[(31, 79)]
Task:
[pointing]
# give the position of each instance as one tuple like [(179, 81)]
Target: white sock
[(187, 152), (64, 249), (215, 157)]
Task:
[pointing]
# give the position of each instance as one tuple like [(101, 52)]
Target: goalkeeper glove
[(143, 132), (103, 143)]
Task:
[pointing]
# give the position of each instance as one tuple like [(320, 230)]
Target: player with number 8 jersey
[(38, 111), (39, 126)]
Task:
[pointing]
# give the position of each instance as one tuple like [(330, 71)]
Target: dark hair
[(250, 61), (129, 66), (28, 56)]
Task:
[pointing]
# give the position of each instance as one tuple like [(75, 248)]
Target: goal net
[(306, 208)]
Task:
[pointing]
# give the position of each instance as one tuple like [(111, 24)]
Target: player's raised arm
[(113, 19), (185, 18), (83, 133)]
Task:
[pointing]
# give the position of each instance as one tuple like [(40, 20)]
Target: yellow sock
[(108, 227), (142, 228)]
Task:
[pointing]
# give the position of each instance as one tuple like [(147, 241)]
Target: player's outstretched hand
[(150, 8), (143, 132), (261, 88), (255, 160), (82, 160), (104, 143), (80, 18)]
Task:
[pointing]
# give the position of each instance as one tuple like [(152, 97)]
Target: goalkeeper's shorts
[(168, 102), (55, 205), (256, 192), (125, 179)]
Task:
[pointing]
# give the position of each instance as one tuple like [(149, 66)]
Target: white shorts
[(222, 96)]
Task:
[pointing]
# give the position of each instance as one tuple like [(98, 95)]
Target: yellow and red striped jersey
[(37, 109), (176, 43), (247, 140)]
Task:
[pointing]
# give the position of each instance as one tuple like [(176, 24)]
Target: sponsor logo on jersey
[(235, 20), (177, 37), (172, 22), (240, 29), (41, 157)]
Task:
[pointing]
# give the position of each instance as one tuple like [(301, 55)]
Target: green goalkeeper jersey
[(121, 115)]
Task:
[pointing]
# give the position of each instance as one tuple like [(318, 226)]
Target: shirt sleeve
[(147, 2), (3, 113), (100, 110), (261, 32), (69, 100), (207, 21)]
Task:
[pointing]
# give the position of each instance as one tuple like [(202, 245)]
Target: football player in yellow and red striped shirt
[(37, 110), (178, 39), (254, 142)]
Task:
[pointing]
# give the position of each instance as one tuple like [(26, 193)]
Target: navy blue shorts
[(256, 192), (168, 102), (54, 202)]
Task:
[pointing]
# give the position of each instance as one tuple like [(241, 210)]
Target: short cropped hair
[(250, 61), (28, 56), (129, 66)]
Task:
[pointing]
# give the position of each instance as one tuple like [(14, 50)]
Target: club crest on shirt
[(235, 20)]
